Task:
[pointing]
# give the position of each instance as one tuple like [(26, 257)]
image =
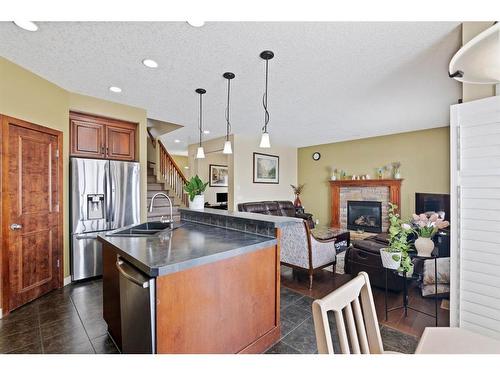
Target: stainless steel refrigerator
[(104, 196)]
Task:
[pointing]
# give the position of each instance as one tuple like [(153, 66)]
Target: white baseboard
[(67, 280)]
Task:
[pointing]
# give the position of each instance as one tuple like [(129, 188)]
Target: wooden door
[(87, 137), (32, 211), (120, 142)]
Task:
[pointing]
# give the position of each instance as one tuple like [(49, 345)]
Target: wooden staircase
[(166, 177)]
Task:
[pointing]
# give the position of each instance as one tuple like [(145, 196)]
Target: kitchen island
[(215, 283)]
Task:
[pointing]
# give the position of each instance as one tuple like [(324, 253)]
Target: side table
[(406, 305)]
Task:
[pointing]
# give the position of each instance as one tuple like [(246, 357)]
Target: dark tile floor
[(64, 321), (297, 329), (70, 321)]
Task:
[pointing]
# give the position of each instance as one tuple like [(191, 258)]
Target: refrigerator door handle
[(86, 236), (107, 186), (112, 178)]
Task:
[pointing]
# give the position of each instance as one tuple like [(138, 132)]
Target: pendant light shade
[(227, 144), (227, 148), (265, 141), (200, 154), (478, 61)]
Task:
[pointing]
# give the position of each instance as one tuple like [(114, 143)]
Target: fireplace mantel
[(394, 186)]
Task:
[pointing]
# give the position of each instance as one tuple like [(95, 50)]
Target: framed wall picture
[(218, 175), (266, 168)]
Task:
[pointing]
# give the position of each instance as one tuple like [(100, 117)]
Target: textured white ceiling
[(328, 81)]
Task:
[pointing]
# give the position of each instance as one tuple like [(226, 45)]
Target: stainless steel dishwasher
[(138, 313)]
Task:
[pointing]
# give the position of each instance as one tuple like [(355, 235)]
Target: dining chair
[(355, 318)]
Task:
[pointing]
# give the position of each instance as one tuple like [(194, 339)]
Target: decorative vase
[(297, 203), (198, 202), (397, 175), (388, 260), (424, 246)]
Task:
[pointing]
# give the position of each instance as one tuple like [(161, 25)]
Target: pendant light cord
[(264, 101), (228, 124), (201, 119)]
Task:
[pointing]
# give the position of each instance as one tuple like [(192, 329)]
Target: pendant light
[(200, 154), (478, 61), (227, 144), (264, 140)]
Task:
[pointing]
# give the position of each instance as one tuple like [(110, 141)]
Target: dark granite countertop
[(189, 245)]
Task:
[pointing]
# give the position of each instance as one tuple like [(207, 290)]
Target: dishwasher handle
[(141, 283)]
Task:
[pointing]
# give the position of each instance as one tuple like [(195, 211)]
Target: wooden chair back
[(355, 318)]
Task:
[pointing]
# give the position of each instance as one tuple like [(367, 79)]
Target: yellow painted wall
[(182, 162), (29, 97), (424, 155)]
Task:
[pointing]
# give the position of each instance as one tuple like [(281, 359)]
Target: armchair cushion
[(323, 252)]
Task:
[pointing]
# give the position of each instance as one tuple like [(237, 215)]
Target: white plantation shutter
[(475, 257)]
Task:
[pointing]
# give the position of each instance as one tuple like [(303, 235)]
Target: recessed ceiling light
[(206, 131), (26, 25), (186, 167), (177, 141), (150, 63), (115, 89), (196, 23)]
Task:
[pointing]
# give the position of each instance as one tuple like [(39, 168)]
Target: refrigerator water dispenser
[(95, 206)]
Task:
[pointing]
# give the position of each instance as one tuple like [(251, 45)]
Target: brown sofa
[(364, 255), (276, 208)]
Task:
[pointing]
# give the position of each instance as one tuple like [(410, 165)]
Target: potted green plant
[(396, 255), (426, 228), (195, 188)]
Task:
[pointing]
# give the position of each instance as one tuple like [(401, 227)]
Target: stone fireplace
[(374, 195), (365, 216)]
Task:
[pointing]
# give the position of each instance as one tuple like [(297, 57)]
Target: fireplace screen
[(364, 215)]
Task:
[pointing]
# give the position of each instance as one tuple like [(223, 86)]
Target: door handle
[(15, 226), (86, 237), (142, 284)]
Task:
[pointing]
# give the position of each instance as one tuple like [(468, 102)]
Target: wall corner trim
[(67, 280)]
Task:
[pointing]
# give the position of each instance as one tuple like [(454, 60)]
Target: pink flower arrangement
[(428, 226)]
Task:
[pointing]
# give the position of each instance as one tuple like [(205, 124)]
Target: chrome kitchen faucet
[(169, 221)]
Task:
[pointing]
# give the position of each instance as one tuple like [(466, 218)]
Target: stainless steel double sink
[(143, 230)]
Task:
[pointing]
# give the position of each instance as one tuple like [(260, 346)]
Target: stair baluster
[(172, 175)]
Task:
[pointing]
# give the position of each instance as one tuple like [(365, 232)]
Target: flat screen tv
[(425, 202)]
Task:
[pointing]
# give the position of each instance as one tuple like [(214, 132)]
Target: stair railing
[(172, 175)]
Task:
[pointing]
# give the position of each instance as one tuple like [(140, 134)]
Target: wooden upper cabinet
[(120, 143), (102, 138), (87, 139)]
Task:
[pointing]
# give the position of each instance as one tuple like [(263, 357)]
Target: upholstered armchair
[(300, 249)]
